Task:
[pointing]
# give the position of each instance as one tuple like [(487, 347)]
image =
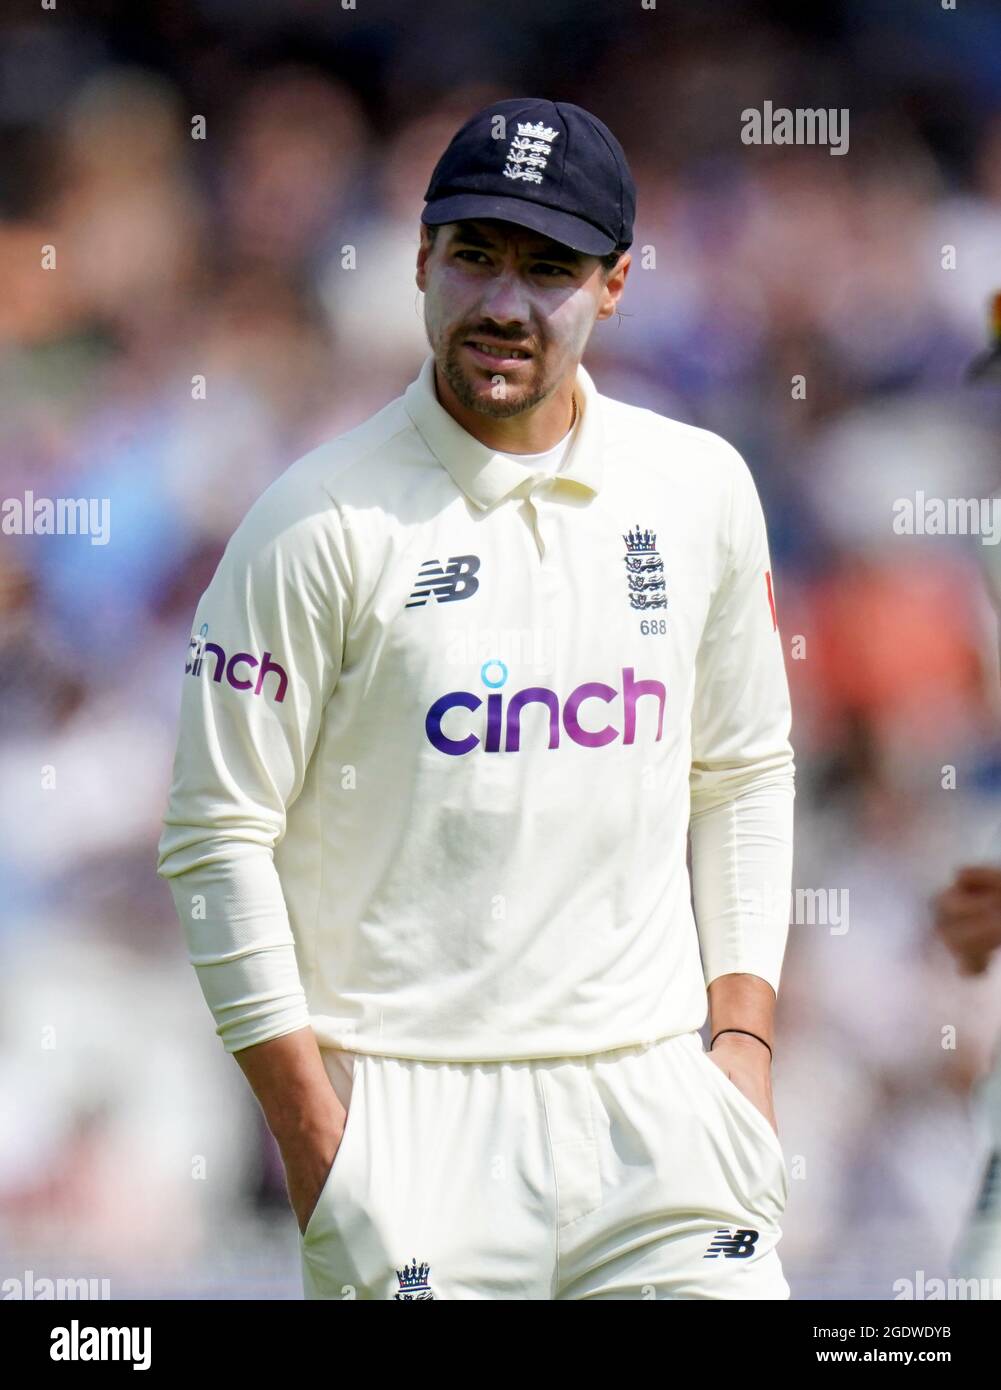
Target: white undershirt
[(550, 460)]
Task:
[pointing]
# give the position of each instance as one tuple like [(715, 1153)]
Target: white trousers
[(640, 1173)]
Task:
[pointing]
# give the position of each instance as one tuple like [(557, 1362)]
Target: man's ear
[(423, 251), (613, 287)]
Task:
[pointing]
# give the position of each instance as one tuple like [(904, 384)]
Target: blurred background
[(131, 1147)]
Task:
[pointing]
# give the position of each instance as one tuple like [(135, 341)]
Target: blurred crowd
[(232, 201)]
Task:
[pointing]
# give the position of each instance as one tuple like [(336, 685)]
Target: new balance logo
[(446, 585), (731, 1244)]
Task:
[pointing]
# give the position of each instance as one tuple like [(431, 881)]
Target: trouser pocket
[(341, 1250), (748, 1121), (325, 1209)]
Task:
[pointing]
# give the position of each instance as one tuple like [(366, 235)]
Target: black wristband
[(739, 1030)]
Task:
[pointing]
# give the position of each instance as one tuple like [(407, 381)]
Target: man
[(461, 680), (967, 917)]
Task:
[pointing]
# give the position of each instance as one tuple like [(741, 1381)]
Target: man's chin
[(480, 391), (500, 408)]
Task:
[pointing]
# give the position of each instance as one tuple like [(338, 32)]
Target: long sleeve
[(263, 661), (742, 774)]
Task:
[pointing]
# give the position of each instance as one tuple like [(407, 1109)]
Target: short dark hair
[(608, 262)]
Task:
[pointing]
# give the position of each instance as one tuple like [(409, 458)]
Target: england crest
[(413, 1281), (529, 151), (644, 571)]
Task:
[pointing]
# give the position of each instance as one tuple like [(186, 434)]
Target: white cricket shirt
[(445, 720)]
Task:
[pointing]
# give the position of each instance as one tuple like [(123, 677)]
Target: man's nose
[(506, 301)]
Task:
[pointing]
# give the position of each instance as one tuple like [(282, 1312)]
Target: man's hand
[(749, 1066), (968, 916)]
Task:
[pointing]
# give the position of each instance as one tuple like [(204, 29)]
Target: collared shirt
[(446, 723)]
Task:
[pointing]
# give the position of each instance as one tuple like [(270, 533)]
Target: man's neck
[(531, 432)]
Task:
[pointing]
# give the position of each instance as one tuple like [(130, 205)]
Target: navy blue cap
[(547, 165)]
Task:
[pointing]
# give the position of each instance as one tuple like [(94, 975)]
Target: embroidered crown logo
[(529, 152), (640, 540), (537, 131), (644, 570), (413, 1279)]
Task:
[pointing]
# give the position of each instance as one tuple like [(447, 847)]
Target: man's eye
[(468, 252), (547, 268)]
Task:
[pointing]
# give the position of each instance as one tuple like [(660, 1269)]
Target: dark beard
[(498, 407)]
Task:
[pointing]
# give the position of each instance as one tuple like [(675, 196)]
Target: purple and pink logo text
[(504, 725), (199, 648)]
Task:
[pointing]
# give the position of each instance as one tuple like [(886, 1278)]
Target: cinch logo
[(493, 675), (198, 648)]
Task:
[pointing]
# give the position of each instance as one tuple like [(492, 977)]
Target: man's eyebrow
[(555, 251), (467, 231), (549, 251)]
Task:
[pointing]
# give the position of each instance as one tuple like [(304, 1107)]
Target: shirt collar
[(484, 476)]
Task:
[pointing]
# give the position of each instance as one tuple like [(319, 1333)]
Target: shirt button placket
[(540, 518)]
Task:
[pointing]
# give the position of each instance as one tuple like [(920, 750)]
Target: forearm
[(747, 1003), (744, 1002), (293, 1089), (231, 906), (303, 1112)]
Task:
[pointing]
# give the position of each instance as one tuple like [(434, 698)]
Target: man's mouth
[(499, 353)]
